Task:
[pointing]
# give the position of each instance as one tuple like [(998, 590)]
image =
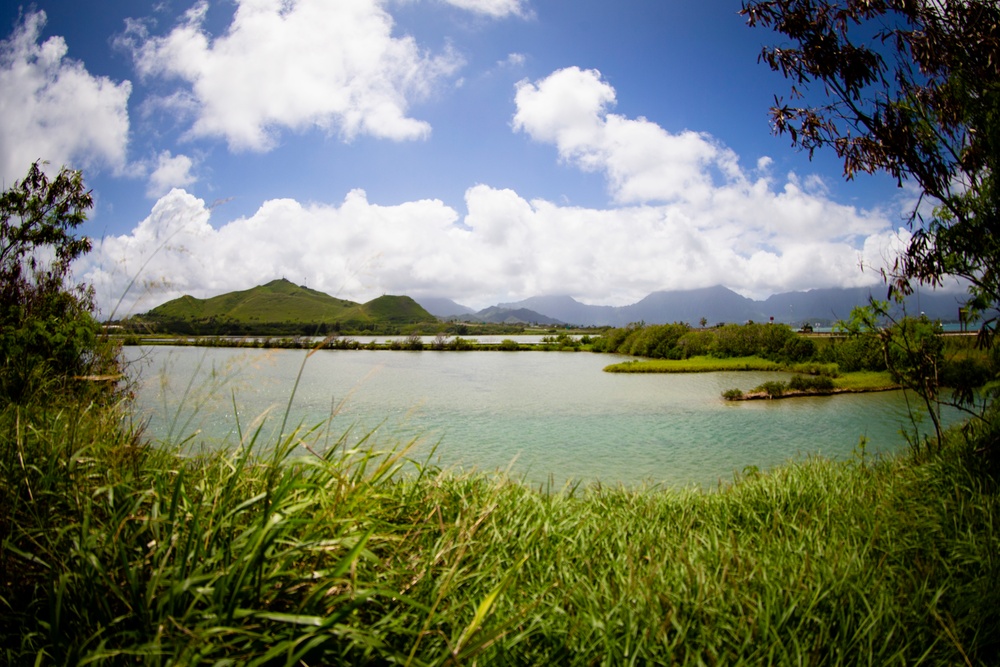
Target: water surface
[(543, 415)]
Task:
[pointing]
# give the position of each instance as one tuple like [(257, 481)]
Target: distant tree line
[(777, 342), (227, 327), (861, 346)]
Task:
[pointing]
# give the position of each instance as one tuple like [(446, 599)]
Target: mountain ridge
[(280, 304), (501, 315), (720, 304)]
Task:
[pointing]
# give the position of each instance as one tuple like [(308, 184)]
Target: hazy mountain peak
[(718, 303)]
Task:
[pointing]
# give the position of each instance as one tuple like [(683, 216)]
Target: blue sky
[(480, 150)]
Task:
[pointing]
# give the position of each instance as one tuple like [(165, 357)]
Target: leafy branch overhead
[(908, 88), (38, 213), (48, 336)]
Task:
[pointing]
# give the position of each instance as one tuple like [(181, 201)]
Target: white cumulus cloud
[(295, 64), (355, 248), (504, 248), (642, 161), (686, 216), (171, 171), (53, 109)]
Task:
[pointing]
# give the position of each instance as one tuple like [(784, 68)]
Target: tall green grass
[(306, 551)]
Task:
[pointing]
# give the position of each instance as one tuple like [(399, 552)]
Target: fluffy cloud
[(504, 248), (494, 8), (295, 64), (53, 109), (171, 171), (357, 249), (687, 217), (641, 160)]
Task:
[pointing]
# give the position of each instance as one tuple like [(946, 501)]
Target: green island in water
[(810, 379)]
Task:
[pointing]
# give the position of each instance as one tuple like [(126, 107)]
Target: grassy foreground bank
[(114, 552)]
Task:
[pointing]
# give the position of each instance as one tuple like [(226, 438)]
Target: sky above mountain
[(480, 150)]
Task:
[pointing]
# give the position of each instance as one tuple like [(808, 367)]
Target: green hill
[(281, 307), (397, 309)]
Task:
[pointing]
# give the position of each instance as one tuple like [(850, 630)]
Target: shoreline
[(799, 393)]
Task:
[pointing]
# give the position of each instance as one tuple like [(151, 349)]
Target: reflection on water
[(544, 415)]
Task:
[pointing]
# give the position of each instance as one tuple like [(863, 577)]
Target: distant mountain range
[(281, 305), (511, 315), (714, 304), (443, 308)]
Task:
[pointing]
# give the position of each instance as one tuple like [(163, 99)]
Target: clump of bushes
[(412, 342), (776, 389), (854, 353), (508, 345), (459, 343), (561, 342), (773, 388), (815, 383)]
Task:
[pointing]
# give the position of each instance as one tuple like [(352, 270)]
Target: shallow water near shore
[(548, 417)]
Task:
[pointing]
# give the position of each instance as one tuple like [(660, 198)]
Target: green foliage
[(911, 350), (459, 344), (918, 357), (736, 340), (612, 340), (799, 384), (798, 349), (855, 353), (915, 351), (562, 341), (49, 341), (508, 345), (299, 553), (811, 383), (771, 341), (657, 341), (695, 365), (678, 341), (912, 89), (965, 377), (773, 388), (816, 368), (694, 344), (413, 342)]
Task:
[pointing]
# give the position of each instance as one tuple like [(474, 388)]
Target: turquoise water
[(542, 415)]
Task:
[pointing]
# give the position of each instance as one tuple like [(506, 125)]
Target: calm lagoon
[(542, 415)]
